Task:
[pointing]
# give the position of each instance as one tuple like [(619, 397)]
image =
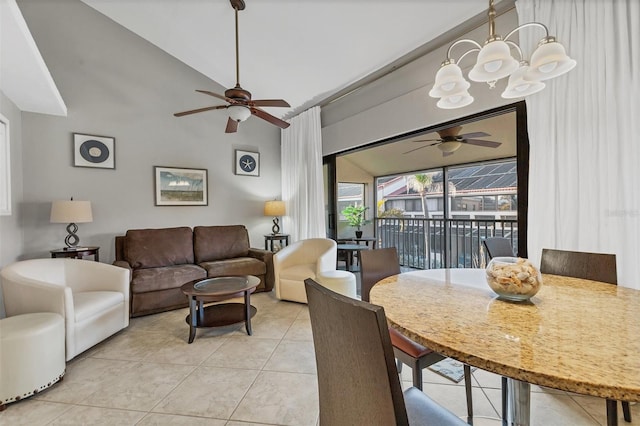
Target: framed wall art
[(94, 151), (176, 186), (247, 163)]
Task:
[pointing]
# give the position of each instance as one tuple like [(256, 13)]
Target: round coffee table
[(216, 290)]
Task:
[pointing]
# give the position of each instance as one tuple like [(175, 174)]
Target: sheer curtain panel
[(583, 132), (302, 180)]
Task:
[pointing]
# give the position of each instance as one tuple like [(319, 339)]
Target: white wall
[(11, 241), (348, 172), (116, 84), (399, 102)]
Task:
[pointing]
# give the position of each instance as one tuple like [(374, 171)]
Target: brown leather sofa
[(161, 260)]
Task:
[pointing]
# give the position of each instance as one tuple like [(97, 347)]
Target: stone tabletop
[(576, 335)]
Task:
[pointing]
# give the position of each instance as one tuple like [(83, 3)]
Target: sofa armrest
[(124, 264), (266, 257)]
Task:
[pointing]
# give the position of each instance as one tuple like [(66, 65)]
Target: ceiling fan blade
[(232, 126), (429, 140), (270, 118), (195, 111), (215, 95), (415, 149), (479, 142), (271, 103), (474, 135)]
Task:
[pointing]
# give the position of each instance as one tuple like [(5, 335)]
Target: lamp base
[(275, 229), (72, 239)]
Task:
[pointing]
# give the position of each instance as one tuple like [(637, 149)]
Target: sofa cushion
[(220, 242), (152, 248), (237, 266), (155, 279), (89, 303)]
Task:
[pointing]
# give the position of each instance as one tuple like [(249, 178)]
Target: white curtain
[(584, 132), (302, 179)]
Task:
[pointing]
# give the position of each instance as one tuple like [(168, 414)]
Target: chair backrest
[(376, 265), (352, 341), (590, 266), (497, 247)]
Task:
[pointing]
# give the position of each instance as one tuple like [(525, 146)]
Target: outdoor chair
[(589, 266), (376, 265), (497, 247), (357, 380)]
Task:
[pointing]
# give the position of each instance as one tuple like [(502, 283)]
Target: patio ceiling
[(390, 158)]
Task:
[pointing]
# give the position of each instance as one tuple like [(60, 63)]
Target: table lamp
[(71, 212), (274, 208)]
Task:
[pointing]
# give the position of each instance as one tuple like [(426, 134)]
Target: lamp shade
[(274, 208), (71, 212), (494, 62)]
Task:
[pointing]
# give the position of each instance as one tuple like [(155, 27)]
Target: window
[(349, 194), (413, 206)]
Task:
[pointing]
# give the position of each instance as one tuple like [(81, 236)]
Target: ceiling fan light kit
[(494, 62), (239, 104), (238, 112)]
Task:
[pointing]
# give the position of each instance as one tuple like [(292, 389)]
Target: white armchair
[(92, 297), (299, 261)]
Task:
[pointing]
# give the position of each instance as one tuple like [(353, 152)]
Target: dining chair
[(376, 265), (589, 266), (497, 247), (357, 379)]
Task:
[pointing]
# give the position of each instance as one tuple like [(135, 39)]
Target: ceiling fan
[(450, 140), (239, 103)]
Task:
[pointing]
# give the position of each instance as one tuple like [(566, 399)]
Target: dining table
[(575, 335)]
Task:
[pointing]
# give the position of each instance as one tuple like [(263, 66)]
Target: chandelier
[(495, 61)]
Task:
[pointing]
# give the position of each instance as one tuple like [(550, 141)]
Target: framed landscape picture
[(94, 151), (181, 187)]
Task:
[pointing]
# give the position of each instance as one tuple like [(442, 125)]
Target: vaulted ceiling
[(304, 51)]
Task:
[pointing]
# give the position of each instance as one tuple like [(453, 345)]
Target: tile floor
[(149, 375)]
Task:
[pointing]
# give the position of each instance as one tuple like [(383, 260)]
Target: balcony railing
[(442, 243)]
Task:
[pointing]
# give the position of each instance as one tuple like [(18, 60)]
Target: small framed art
[(94, 151), (247, 163), (181, 187)]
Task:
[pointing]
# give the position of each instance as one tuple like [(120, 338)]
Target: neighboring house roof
[(483, 178)]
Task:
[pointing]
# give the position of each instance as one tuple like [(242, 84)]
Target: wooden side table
[(269, 239), (77, 252)]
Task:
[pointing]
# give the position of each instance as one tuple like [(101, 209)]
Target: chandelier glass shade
[(495, 61)]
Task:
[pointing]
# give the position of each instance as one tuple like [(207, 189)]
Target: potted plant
[(355, 216)]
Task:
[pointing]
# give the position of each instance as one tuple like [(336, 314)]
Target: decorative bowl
[(513, 278)]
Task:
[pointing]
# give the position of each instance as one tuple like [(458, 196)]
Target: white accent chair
[(92, 297), (299, 261)]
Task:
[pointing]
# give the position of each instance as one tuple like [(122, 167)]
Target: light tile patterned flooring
[(149, 375)]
